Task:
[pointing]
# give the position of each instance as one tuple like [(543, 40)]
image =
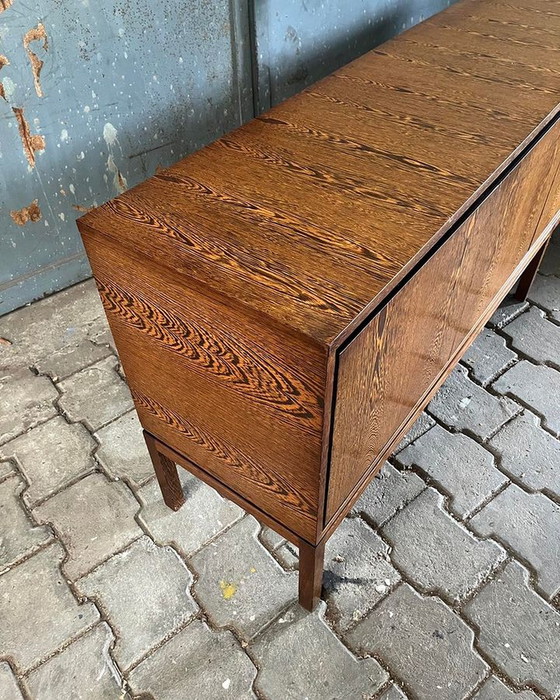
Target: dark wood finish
[(166, 473), (528, 277), (311, 562), (286, 300)]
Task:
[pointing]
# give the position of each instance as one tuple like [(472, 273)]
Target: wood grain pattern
[(394, 361), (310, 214)]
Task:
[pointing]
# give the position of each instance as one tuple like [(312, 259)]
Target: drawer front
[(389, 371)]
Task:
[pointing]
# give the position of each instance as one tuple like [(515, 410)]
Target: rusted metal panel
[(93, 97), (299, 42)]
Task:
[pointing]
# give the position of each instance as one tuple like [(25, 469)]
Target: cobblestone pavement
[(442, 584)]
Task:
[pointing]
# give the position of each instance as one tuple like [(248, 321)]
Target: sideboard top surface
[(311, 213)]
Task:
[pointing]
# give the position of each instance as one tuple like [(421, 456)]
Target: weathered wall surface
[(95, 94)]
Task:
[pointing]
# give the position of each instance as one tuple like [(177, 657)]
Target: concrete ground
[(443, 583)]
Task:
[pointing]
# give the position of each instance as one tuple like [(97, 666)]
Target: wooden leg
[(167, 475), (528, 276), (311, 560)]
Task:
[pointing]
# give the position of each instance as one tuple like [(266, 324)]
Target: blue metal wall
[(95, 94)]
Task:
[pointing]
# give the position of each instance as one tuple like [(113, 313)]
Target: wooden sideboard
[(286, 300)]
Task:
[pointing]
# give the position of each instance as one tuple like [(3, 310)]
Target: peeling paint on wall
[(31, 142), (38, 33), (3, 62), (27, 214)]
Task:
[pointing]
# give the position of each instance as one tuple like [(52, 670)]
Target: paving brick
[(390, 491), (494, 689), (51, 456), (423, 643), (6, 468), (530, 454), (422, 425), (18, 535), (305, 637), (9, 689), (537, 387), (47, 327), (393, 693), (545, 292), (458, 465), (551, 261), (461, 404), (358, 572), (94, 519), (82, 671), (233, 570), (203, 515), (437, 553), (38, 611), (285, 552), (123, 452), (529, 523), (518, 630), (506, 312), (145, 593), (197, 664), (96, 395), (25, 401), (488, 357), (534, 336), (71, 359)]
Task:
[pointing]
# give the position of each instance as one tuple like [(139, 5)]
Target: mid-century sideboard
[(286, 300)]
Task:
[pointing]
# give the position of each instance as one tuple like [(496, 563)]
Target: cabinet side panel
[(387, 372), (237, 398)]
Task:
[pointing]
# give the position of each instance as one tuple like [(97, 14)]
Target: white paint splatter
[(110, 134), (64, 135), (72, 188), (226, 683)]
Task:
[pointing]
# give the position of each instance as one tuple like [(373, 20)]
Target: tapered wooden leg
[(167, 475), (311, 561), (529, 274)]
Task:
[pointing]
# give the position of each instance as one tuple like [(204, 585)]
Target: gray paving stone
[(233, 570), (460, 466), (9, 689), (94, 519), (494, 689), (461, 404), (145, 593), (506, 312), (196, 664), (18, 535), (71, 359), (82, 671), (518, 630), (190, 528), (427, 646), (358, 572), (390, 491), (537, 387), (437, 553), (51, 456), (530, 454), (530, 524), (393, 693), (422, 425), (536, 337), (25, 401), (96, 395), (545, 292), (488, 357), (285, 552), (551, 261), (6, 468), (38, 611), (47, 327), (296, 656), (123, 452)]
